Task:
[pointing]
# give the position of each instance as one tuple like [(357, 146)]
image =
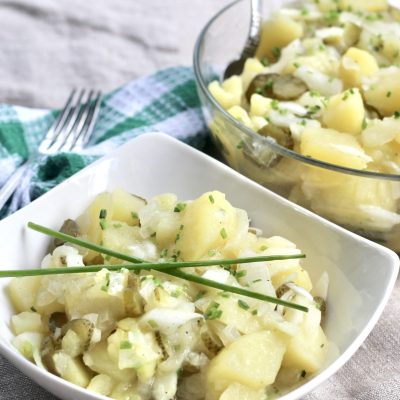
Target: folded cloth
[(166, 101)]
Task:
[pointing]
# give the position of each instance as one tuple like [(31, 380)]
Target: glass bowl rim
[(254, 135)]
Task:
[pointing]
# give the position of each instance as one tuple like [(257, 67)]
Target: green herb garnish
[(243, 304), (213, 311), (179, 207), (276, 52), (169, 268), (125, 344), (211, 198), (103, 213), (223, 233), (103, 224)]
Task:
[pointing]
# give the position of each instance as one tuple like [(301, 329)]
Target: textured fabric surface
[(165, 101), (47, 47)]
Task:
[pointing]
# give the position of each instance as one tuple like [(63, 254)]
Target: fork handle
[(254, 36), (11, 184)]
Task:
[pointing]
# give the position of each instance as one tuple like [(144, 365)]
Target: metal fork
[(70, 131)]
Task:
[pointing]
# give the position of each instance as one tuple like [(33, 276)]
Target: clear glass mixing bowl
[(362, 201)]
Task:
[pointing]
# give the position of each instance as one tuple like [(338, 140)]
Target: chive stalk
[(169, 268)]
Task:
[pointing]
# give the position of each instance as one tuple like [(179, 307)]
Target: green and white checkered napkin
[(165, 101)]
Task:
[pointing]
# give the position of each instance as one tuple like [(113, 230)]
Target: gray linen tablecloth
[(46, 47)]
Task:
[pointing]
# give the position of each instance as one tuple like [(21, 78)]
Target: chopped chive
[(153, 324), (303, 373), (134, 215), (153, 234), (103, 213), (254, 312), (164, 253), (397, 114), (213, 311), (257, 280), (243, 304), (169, 268), (388, 94), (103, 224), (211, 198), (276, 52), (179, 207), (364, 124), (275, 104), (241, 274), (200, 295), (240, 145), (33, 309), (125, 344), (223, 233)]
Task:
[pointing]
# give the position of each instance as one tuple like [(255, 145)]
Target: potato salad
[(145, 335), (325, 84)]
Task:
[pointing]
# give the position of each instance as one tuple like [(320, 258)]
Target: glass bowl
[(364, 202)]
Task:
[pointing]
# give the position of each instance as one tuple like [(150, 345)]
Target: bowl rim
[(201, 85)]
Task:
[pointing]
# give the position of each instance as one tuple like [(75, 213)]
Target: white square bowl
[(362, 274)]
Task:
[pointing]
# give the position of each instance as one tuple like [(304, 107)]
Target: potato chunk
[(252, 360), (384, 93), (126, 206), (345, 112), (277, 32), (229, 93), (363, 5), (27, 322), (236, 391), (71, 369), (360, 5), (207, 224), (355, 65), (23, 291), (333, 147), (101, 384)]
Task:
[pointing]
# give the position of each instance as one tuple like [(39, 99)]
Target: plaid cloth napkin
[(165, 101)]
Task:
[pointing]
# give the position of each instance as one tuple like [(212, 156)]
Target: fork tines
[(72, 128)]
